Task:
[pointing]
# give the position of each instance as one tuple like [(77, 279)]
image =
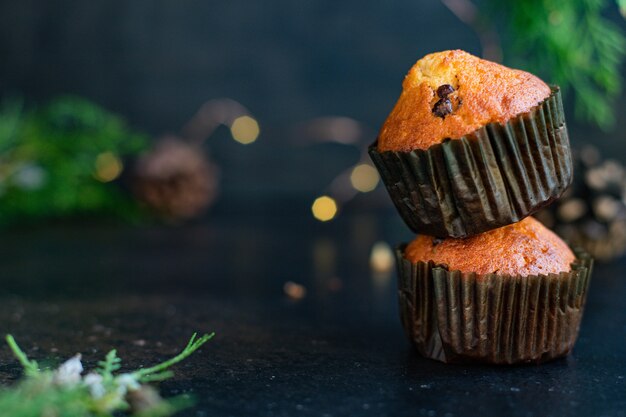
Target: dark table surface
[(338, 351)]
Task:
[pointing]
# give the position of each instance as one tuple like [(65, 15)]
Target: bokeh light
[(294, 290), (381, 258), (364, 178), (245, 130), (108, 167), (324, 208)]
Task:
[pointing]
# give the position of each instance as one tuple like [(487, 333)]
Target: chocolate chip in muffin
[(442, 108), (436, 241), (445, 90)]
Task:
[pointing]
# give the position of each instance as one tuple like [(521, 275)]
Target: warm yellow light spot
[(324, 208), (364, 178), (381, 257), (108, 167), (245, 129), (381, 262)]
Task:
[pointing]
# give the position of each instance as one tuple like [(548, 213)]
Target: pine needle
[(30, 367), (191, 347)]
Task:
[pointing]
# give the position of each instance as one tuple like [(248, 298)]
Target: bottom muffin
[(511, 295)]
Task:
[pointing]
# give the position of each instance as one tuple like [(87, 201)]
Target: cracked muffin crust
[(523, 248), (452, 93)]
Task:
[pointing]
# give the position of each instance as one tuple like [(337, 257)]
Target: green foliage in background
[(570, 43), (60, 160)]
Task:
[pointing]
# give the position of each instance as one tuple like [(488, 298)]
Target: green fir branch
[(569, 43), (622, 7), (49, 161), (103, 393), (191, 347), (109, 365), (30, 367)]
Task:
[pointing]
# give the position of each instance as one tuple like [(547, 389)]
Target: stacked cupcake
[(470, 150)]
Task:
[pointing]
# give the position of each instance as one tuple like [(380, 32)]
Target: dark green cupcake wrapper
[(458, 317), (495, 176)]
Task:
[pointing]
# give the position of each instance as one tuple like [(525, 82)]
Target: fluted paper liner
[(461, 317), (495, 176)]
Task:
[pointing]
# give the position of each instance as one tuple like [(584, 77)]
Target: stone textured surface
[(334, 353)]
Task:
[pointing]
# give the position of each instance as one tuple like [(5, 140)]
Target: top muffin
[(450, 94)]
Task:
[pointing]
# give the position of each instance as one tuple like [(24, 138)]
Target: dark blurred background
[(319, 78), (156, 62)]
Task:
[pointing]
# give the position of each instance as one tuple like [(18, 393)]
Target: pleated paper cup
[(495, 176), (458, 317)]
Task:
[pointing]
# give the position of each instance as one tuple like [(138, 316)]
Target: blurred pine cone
[(175, 179), (592, 212)]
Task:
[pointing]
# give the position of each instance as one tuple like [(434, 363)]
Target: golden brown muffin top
[(524, 248), (481, 92)]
